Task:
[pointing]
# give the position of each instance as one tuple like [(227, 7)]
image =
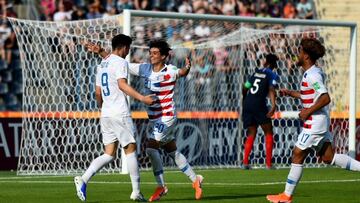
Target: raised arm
[(184, 71), (97, 49)]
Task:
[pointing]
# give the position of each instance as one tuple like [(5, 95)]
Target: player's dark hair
[(313, 48), (120, 41), (162, 45), (271, 60)]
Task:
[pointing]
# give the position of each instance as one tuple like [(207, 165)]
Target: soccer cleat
[(80, 188), (272, 167), (280, 198), (138, 197), (159, 192), (197, 186), (245, 167)]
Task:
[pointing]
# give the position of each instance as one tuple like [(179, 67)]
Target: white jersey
[(162, 84), (312, 86), (109, 71)]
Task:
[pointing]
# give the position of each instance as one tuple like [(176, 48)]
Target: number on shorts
[(159, 127), (304, 138)]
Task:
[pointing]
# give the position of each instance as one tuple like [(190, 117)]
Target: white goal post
[(61, 133)]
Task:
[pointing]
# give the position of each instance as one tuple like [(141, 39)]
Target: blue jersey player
[(261, 85)]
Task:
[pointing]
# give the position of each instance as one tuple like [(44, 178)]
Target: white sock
[(293, 178), (346, 162), (156, 165), (133, 167), (183, 165), (96, 165)]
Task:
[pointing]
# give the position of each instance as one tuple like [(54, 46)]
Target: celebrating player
[(261, 84), (160, 80), (116, 123), (315, 114)]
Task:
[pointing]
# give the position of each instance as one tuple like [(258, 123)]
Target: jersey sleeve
[(317, 82), (134, 69), (121, 69), (274, 80), (98, 76), (174, 71)]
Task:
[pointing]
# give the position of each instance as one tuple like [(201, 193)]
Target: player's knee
[(130, 148), (298, 156), (110, 157)]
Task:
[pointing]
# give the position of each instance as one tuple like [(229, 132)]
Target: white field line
[(178, 183)]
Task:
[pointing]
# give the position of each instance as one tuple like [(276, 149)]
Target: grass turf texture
[(220, 185)]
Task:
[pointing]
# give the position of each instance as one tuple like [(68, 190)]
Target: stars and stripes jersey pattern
[(111, 69), (312, 87), (162, 84)]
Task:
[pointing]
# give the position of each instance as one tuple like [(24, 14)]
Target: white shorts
[(117, 129), (307, 140), (162, 132)]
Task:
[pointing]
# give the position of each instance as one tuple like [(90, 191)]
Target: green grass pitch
[(318, 185)]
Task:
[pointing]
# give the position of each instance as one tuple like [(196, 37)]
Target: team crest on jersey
[(167, 77)]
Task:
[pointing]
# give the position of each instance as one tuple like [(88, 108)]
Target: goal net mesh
[(61, 131)]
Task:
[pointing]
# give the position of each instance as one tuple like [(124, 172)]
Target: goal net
[(61, 132)]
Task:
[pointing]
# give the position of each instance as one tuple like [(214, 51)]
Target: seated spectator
[(228, 7), (244, 10), (5, 32), (142, 5), (62, 14), (202, 30), (305, 10), (289, 10), (110, 12), (196, 4), (124, 4), (78, 14), (94, 12), (185, 7)]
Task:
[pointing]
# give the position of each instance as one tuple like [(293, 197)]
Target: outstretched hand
[(92, 47), (149, 99), (270, 113), (284, 92)]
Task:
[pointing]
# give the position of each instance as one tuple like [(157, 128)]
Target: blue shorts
[(255, 117)]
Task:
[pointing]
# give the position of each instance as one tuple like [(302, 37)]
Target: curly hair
[(162, 45), (313, 48)]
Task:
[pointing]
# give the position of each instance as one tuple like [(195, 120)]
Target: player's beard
[(299, 62)]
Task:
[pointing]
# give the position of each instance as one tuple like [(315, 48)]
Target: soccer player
[(255, 112), (116, 123), (315, 114), (160, 80)]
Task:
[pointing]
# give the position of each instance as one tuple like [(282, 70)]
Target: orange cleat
[(197, 186), (159, 192), (280, 198)]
